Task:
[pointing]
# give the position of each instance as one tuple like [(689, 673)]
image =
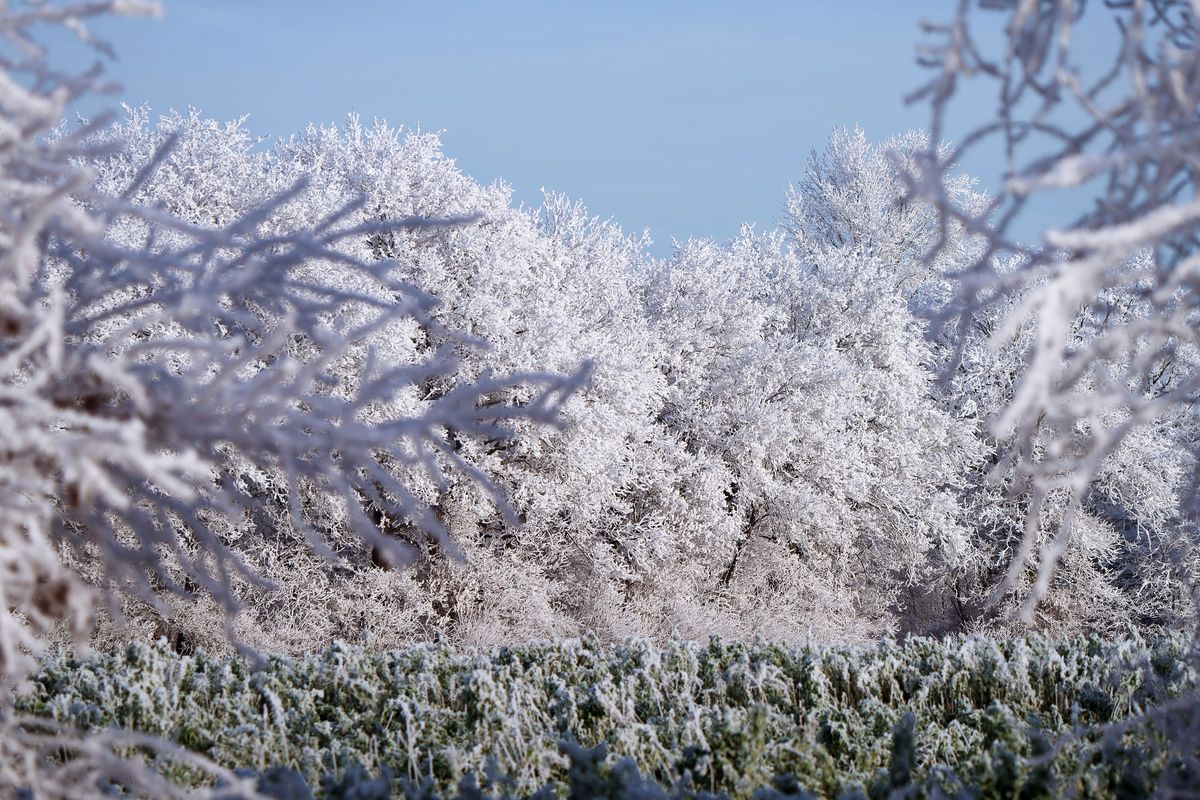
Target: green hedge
[(723, 717)]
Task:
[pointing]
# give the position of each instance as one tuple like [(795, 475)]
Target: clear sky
[(684, 117)]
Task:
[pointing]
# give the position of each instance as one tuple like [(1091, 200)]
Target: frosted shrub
[(722, 717)]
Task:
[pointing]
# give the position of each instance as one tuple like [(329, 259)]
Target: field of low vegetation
[(966, 717)]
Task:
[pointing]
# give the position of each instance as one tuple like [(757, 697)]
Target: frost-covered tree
[(643, 513), (605, 500), (811, 387), (1127, 559), (760, 421), (852, 199), (1101, 306), (1124, 563), (674, 496), (155, 358), (1122, 134)]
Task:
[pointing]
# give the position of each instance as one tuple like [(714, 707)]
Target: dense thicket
[(762, 448)]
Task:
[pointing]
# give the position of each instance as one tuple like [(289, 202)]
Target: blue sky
[(686, 118)]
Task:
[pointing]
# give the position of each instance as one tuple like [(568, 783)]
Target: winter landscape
[(328, 470)]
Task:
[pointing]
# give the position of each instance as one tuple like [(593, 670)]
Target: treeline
[(764, 447)]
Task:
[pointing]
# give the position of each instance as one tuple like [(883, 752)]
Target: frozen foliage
[(541, 290), (1096, 427), (169, 376), (290, 356), (852, 199), (720, 717), (225, 364), (1129, 559), (1101, 312), (761, 449), (166, 380), (807, 385), (760, 421)]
